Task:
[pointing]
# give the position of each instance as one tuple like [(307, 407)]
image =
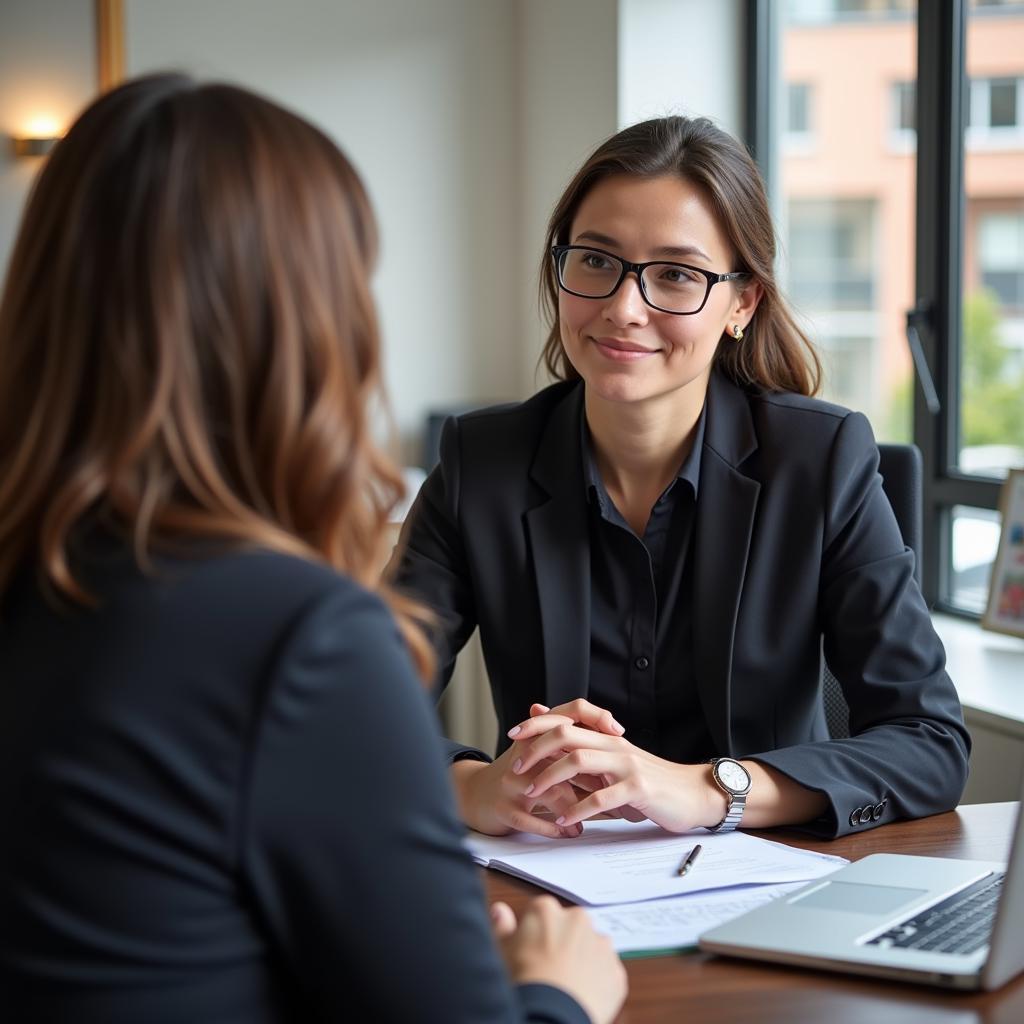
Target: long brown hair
[(188, 341), (774, 354)]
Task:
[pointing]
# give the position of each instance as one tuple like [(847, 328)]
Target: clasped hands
[(573, 762)]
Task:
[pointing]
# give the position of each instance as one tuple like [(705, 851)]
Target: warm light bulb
[(42, 128)]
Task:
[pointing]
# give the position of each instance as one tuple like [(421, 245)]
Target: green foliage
[(992, 395), (897, 423)]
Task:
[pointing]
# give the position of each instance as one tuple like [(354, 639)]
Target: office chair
[(900, 469)]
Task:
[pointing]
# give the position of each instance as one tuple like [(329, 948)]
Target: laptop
[(954, 923)]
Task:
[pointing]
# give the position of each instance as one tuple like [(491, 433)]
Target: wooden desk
[(697, 988)]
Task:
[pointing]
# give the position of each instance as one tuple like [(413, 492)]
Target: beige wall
[(569, 69), (47, 70), (466, 117), (683, 57), (422, 96)]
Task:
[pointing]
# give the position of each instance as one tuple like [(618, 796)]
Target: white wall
[(591, 67), (422, 97), (47, 70), (683, 57), (465, 117), (569, 82)]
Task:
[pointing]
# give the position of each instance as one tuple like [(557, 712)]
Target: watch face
[(733, 775)]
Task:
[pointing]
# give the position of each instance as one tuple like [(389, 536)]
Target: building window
[(798, 108), (995, 111), (831, 254), (810, 11), (845, 208), (951, 81), (848, 365), (1002, 107), (798, 128), (903, 116), (986, 6), (1001, 257)]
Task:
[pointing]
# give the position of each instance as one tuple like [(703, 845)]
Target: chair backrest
[(900, 468)]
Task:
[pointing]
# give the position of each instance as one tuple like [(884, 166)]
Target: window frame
[(941, 96)]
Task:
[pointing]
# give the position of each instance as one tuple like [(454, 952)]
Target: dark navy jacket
[(224, 800), (795, 547)]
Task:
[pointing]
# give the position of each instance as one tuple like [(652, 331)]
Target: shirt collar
[(688, 471)]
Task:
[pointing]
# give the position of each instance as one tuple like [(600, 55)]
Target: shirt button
[(642, 663)]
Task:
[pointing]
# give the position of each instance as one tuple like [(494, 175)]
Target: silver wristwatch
[(734, 781)]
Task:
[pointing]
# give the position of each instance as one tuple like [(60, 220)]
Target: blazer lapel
[(558, 533), (725, 520)]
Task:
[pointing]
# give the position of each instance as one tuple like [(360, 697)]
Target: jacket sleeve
[(349, 842), (907, 754), (430, 565)]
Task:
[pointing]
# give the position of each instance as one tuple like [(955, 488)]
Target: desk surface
[(697, 987)]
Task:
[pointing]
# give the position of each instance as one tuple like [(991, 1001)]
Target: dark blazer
[(795, 546), (224, 800)]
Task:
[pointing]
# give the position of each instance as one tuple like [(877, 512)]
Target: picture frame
[(110, 47), (1005, 611)]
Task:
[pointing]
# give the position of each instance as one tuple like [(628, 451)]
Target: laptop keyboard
[(961, 923)]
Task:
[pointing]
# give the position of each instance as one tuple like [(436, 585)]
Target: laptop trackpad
[(858, 898)]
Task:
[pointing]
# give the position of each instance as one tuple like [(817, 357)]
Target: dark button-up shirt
[(641, 622)]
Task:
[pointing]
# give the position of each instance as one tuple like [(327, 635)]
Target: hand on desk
[(491, 799), (575, 747), (572, 744), (555, 945), (491, 796)]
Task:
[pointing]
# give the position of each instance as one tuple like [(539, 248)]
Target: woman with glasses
[(658, 547), (196, 662)]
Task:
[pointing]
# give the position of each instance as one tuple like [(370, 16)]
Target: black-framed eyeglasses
[(668, 287)]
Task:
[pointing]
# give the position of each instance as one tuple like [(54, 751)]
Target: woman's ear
[(747, 302)]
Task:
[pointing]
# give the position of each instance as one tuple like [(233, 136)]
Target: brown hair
[(774, 354), (188, 341)]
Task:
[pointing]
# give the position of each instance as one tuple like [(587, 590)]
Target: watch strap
[(733, 816)]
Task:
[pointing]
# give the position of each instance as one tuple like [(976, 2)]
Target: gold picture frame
[(109, 43), (1005, 610)]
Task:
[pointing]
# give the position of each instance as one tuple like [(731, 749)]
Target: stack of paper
[(629, 872)]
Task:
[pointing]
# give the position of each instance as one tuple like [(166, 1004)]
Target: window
[(902, 136), (988, 428), (904, 115), (1000, 249), (848, 366), (832, 263), (846, 218), (846, 10), (798, 111), (1002, 102), (995, 5), (875, 230), (995, 109)]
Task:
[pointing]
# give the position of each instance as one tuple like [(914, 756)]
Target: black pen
[(688, 861)]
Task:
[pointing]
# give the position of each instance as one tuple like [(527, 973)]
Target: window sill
[(987, 670)]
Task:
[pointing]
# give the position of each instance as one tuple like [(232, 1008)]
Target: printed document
[(617, 861), (669, 925)]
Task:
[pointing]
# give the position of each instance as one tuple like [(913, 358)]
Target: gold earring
[(737, 332)]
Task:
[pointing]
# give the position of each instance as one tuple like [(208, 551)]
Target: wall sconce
[(42, 135), (35, 146)]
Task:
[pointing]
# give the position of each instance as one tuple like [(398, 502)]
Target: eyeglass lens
[(595, 274)]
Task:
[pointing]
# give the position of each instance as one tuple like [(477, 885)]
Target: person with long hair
[(659, 547), (198, 666)]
